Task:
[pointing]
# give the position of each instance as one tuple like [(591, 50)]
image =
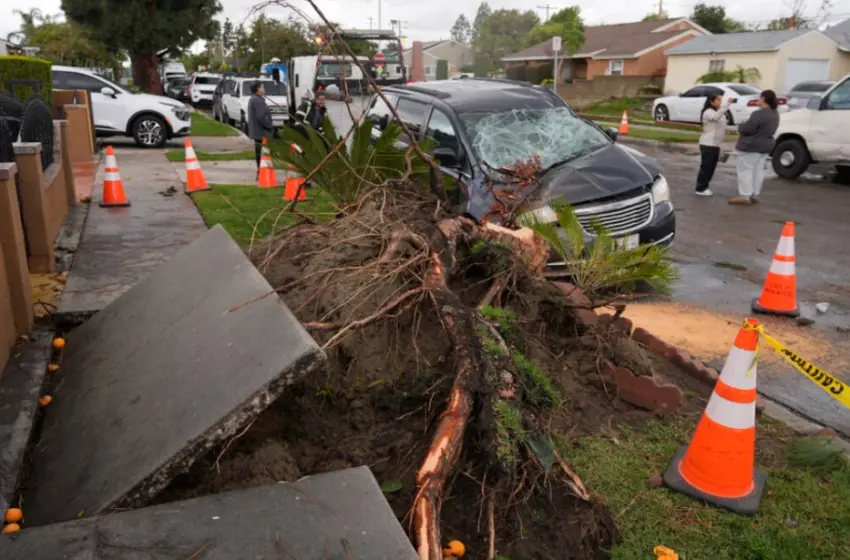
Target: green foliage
[(509, 432), (353, 168), (819, 454), (481, 14), (270, 37), (461, 30), (740, 74), (540, 390), (488, 343), (713, 18), (566, 24), (601, 266), (502, 33), (442, 69), (26, 68), (655, 16), (505, 318)]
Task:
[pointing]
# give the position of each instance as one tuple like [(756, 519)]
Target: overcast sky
[(431, 19)]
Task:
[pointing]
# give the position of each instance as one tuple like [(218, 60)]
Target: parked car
[(799, 95), (232, 104), (149, 119), (687, 106), (817, 134), (177, 88), (201, 87), (481, 125)]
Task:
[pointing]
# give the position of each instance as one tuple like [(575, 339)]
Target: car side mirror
[(815, 103), (612, 133), (108, 92), (447, 157)]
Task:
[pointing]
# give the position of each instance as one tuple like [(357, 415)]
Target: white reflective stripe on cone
[(785, 247), (190, 153), (740, 416), (112, 176), (193, 165), (111, 162), (782, 268), (734, 372)]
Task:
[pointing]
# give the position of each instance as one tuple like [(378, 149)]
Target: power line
[(547, 7)]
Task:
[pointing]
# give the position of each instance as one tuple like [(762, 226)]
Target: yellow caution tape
[(829, 383)]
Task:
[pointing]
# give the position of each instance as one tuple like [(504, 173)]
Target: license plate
[(628, 242)]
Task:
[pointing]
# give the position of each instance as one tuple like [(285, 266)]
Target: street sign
[(556, 44)]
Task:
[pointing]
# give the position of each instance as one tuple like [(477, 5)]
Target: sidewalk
[(120, 246)]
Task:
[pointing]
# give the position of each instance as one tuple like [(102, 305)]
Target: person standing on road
[(260, 123), (316, 115), (754, 145), (713, 119)]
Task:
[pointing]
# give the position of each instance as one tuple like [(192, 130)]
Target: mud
[(386, 383)]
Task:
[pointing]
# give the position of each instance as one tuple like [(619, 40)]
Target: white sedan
[(687, 106)]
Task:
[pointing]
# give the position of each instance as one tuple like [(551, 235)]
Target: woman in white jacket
[(713, 132)]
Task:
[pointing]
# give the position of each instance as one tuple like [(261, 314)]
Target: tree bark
[(145, 73)]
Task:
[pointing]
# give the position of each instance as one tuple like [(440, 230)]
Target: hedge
[(442, 69), (26, 68)]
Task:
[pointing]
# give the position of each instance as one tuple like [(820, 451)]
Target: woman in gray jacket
[(713, 119), (754, 146)]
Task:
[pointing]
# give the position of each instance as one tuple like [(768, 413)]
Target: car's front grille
[(619, 218), (277, 108)]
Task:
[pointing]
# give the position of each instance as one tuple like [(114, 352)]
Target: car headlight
[(660, 190)]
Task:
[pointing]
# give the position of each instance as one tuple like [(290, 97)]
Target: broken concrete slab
[(179, 363), (20, 387), (340, 515), (121, 246)]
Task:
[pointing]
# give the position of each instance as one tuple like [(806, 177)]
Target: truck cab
[(817, 134)]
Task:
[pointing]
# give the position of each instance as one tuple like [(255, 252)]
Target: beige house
[(783, 58), (454, 52)]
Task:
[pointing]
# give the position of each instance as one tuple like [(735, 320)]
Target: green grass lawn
[(248, 212), (180, 155), (205, 126), (665, 134), (610, 119), (802, 512), (615, 107)]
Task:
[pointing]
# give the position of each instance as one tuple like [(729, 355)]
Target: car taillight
[(752, 103), (781, 100)]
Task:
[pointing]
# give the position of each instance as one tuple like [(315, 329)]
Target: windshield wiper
[(580, 153)]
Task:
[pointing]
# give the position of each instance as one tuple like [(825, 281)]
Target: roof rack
[(501, 80), (427, 91)]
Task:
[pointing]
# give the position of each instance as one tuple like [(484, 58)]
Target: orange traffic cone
[(113, 188), (779, 294), (266, 179), (719, 464), (195, 180), (624, 124), (294, 181)]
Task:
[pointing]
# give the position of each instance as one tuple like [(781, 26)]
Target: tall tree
[(502, 33), (273, 38), (461, 30), (228, 39), (63, 42), (713, 18), (481, 15), (566, 24), (144, 27)]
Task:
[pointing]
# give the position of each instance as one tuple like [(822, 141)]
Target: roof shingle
[(751, 41)]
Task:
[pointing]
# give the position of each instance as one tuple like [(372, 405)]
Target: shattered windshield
[(556, 133)]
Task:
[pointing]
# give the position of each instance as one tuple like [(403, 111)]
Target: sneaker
[(706, 192), (740, 201)]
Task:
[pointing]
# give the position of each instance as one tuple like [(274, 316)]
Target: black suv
[(481, 125)]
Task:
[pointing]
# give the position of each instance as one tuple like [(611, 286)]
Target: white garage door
[(805, 69)]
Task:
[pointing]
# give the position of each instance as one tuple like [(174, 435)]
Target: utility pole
[(660, 9), (370, 22), (379, 14), (547, 7)]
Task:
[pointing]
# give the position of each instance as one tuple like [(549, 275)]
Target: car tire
[(243, 124), (150, 131), (661, 113), (790, 159)]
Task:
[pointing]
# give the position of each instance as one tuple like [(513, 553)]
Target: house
[(623, 49), (783, 58), (454, 52)]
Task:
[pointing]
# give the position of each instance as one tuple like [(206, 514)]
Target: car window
[(73, 80), (742, 89), (378, 110), (206, 80), (412, 114), (698, 91), (441, 129), (813, 87), (839, 99), (333, 70), (710, 90)]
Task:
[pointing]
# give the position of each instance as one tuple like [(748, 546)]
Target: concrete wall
[(75, 107), (582, 93), (16, 313)]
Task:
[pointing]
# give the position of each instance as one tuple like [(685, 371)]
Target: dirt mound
[(494, 362)]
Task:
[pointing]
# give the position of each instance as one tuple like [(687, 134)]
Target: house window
[(716, 65), (615, 67)]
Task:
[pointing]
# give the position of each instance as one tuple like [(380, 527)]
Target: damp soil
[(377, 400)]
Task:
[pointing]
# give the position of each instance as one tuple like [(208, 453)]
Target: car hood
[(794, 121), (613, 170), (147, 98)]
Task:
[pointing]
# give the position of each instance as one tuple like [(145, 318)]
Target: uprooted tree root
[(398, 285)]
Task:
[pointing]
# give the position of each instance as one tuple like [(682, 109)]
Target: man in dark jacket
[(260, 123), (316, 115)]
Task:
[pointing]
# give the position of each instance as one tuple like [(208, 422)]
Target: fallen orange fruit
[(11, 528), (456, 549), (45, 400), (59, 343), (13, 515), (53, 368)]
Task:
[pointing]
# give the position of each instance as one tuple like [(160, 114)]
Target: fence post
[(67, 166), (28, 158), (14, 252)]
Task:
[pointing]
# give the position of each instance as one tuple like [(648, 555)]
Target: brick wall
[(582, 93)]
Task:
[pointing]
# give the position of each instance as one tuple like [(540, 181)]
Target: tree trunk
[(145, 73)]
